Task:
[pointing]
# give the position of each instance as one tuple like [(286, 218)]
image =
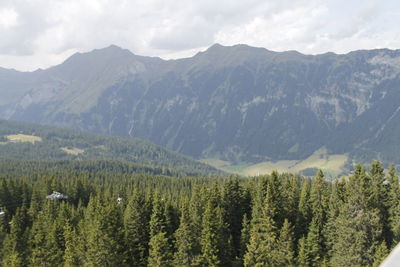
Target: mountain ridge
[(236, 103), (113, 47)]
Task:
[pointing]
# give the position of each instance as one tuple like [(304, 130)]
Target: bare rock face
[(238, 103)]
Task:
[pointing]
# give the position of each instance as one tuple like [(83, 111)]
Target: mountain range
[(236, 104)]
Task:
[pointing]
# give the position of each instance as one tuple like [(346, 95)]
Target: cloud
[(44, 31), (359, 21), (282, 30), (8, 18), (29, 23)]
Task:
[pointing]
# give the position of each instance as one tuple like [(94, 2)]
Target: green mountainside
[(252, 108), (24, 141)]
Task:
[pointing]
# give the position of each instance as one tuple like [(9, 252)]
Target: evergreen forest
[(114, 217), (57, 144)]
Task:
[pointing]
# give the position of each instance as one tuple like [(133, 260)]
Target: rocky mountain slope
[(238, 103)]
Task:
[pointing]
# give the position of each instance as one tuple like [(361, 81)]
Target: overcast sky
[(40, 33)]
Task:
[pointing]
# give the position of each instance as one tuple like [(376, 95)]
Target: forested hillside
[(119, 219), (36, 142), (23, 167)]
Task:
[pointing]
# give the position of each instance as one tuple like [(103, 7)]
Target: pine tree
[(336, 201), (314, 248), (15, 243), (233, 205), (358, 225), (196, 211), (73, 256), (378, 193), (285, 246), (304, 211), (136, 230), (394, 204), (315, 243), (276, 198), (379, 197), (55, 237), (245, 236), (171, 220), (262, 245), (158, 222), (211, 236), (380, 254), (160, 252), (2, 235), (291, 196), (185, 240), (41, 240), (302, 257), (319, 196), (104, 233)]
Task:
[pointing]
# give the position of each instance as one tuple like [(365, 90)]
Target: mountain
[(238, 104), (48, 146)]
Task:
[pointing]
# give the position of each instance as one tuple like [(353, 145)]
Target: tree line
[(117, 219)]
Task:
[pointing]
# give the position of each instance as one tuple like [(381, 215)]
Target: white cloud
[(285, 30), (39, 33), (8, 18)]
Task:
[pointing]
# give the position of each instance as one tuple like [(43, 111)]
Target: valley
[(333, 165)]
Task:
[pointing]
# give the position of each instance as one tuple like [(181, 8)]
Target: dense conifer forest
[(64, 144), (117, 218)]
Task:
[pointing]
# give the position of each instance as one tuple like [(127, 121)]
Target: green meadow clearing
[(332, 165)]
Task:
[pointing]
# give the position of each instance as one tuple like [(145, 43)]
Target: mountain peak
[(113, 46), (111, 50), (231, 55), (215, 47), (238, 48), (219, 47)]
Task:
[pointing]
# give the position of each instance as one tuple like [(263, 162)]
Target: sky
[(41, 33)]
